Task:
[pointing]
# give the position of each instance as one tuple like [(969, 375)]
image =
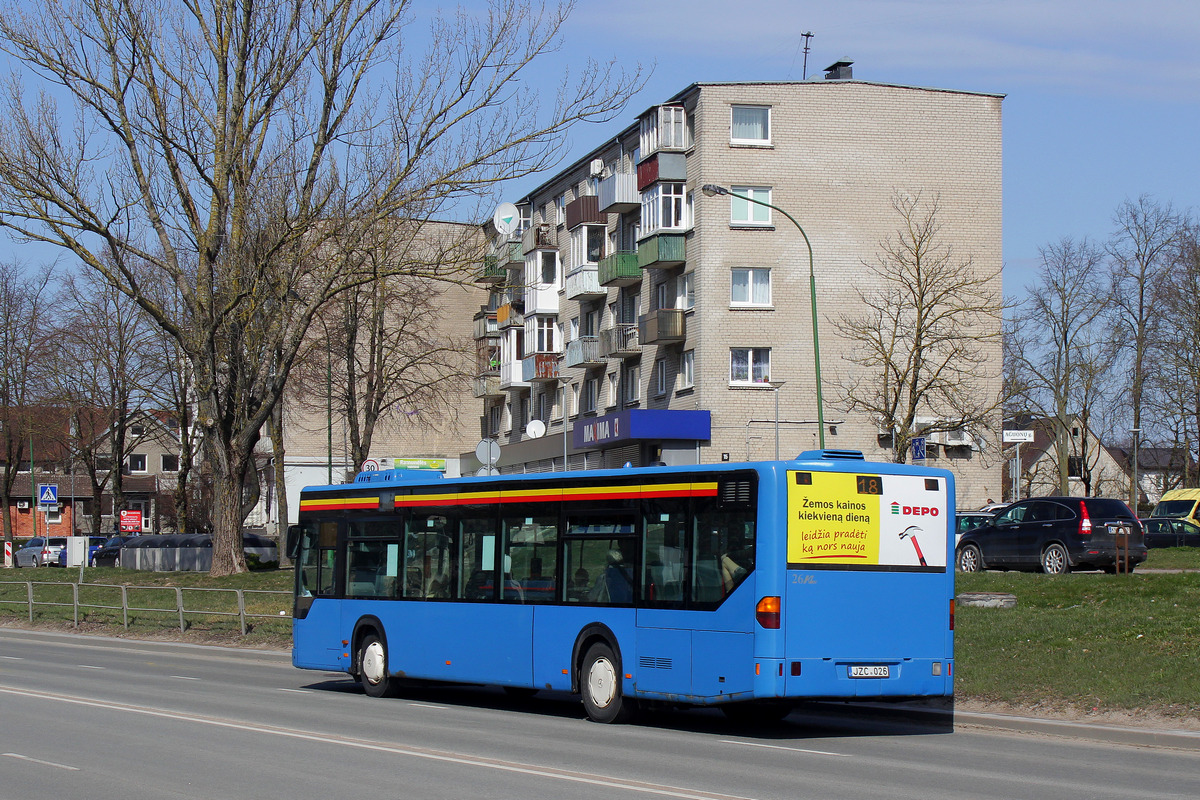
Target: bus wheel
[(601, 685), (373, 669)]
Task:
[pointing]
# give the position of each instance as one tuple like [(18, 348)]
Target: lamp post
[(712, 190), (776, 385)]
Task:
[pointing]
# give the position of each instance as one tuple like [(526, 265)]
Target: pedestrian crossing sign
[(47, 494)]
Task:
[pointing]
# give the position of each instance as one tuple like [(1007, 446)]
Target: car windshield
[(1098, 507), (1173, 508)]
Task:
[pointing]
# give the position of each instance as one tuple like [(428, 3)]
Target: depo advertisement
[(874, 522)]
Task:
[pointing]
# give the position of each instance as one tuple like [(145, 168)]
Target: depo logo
[(914, 511)]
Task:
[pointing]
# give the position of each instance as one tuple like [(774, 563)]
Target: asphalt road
[(83, 717)]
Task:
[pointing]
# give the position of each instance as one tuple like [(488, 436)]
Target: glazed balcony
[(511, 376), (540, 368), (619, 269), (582, 284), (664, 326), (662, 251), (620, 341), (618, 193), (583, 352)]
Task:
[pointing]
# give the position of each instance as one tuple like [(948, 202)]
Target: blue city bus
[(746, 586)]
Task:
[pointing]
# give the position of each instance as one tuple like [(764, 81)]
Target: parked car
[(1170, 532), (1179, 503), (992, 508), (94, 543), (40, 551), (109, 553), (969, 520), (1054, 534)]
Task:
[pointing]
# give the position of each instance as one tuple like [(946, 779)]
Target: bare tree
[(928, 335), (1177, 401), (23, 312), (1141, 250), (217, 147), (1060, 351)]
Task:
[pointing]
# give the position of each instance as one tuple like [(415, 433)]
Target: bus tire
[(600, 685), (373, 668)]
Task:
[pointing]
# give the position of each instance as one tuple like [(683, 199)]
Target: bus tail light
[(767, 612)]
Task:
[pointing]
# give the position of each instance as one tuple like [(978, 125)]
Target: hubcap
[(602, 682), (373, 662), (1054, 561)]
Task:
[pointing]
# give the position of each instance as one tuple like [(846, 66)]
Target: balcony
[(508, 255), (540, 368), (618, 193), (488, 386), (583, 352), (511, 376), (585, 211), (661, 167), (538, 237), (510, 316), (662, 251), (620, 341), (491, 271), (664, 326), (486, 326), (582, 284), (619, 269)]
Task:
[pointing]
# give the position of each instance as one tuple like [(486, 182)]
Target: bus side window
[(317, 553), (476, 559), (723, 553), (665, 555)]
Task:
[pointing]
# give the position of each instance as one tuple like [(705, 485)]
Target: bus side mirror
[(293, 541)]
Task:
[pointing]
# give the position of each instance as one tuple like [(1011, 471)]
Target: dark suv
[(1054, 534)]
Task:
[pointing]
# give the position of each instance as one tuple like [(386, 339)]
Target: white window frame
[(757, 361), (631, 380), (664, 128), (614, 389), (753, 274), (580, 251), (587, 398), (145, 463), (687, 369), (495, 419), (546, 330), (685, 291), (743, 212), (660, 377), (735, 139), (664, 208)]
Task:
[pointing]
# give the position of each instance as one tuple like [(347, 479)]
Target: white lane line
[(39, 761), (297, 691), (12, 658), (447, 756), (88, 666), (780, 747), (184, 678), (428, 705)]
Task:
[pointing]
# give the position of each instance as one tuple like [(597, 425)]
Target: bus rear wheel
[(373, 668), (601, 686)]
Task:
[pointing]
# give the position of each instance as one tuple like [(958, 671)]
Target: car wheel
[(373, 668), (601, 686), (36, 561), (969, 559), (1054, 560)]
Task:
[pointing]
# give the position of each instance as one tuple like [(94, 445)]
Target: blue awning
[(641, 424)]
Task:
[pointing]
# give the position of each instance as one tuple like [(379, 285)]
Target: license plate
[(869, 671)]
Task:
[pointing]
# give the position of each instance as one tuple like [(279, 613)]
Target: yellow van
[(1179, 503)]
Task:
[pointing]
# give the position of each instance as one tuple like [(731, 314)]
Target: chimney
[(839, 71)]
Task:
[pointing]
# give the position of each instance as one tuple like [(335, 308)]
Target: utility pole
[(807, 36)]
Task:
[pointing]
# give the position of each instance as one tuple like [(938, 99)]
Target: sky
[(1102, 98)]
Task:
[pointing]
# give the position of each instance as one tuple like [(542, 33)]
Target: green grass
[(1086, 641)]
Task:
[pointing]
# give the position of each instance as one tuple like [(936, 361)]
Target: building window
[(744, 212), (545, 335), (749, 365), (664, 128), (587, 245), (660, 377), (687, 370), (560, 209), (664, 208), (549, 267), (523, 410), (589, 322), (559, 397), (137, 462), (545, 406), (170, 463), (137, 430), (1074, 467), (494, 417), (750, 125), (587, 399), (750, 286), (632, 381), (685, 292), (613, 389)]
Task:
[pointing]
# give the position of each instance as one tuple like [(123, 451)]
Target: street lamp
[(712, 190), (775, 385)]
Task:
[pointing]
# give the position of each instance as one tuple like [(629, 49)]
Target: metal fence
[(179, 608)]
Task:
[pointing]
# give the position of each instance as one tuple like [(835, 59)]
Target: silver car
[(40, 551)]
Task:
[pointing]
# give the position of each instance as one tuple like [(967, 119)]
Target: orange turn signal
[(767, 612)]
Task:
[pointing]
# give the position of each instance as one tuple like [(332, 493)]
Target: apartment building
[(633, 318)]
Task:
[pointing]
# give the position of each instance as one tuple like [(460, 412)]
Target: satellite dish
[(488, 452), (536, 429), (506, 218)]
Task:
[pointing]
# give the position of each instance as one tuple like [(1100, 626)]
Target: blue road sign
[(48, 494), (918, 448)]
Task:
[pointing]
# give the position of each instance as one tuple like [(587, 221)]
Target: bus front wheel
[(601, 686), (373, 668)]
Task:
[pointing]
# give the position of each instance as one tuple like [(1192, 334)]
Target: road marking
[(780, 747), (184, 678), (297, 691), (89, 666), (427, 705), (12, 658), (412, 751), (39, 761)]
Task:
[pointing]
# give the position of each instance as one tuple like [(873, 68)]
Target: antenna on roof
[(807, 36)]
